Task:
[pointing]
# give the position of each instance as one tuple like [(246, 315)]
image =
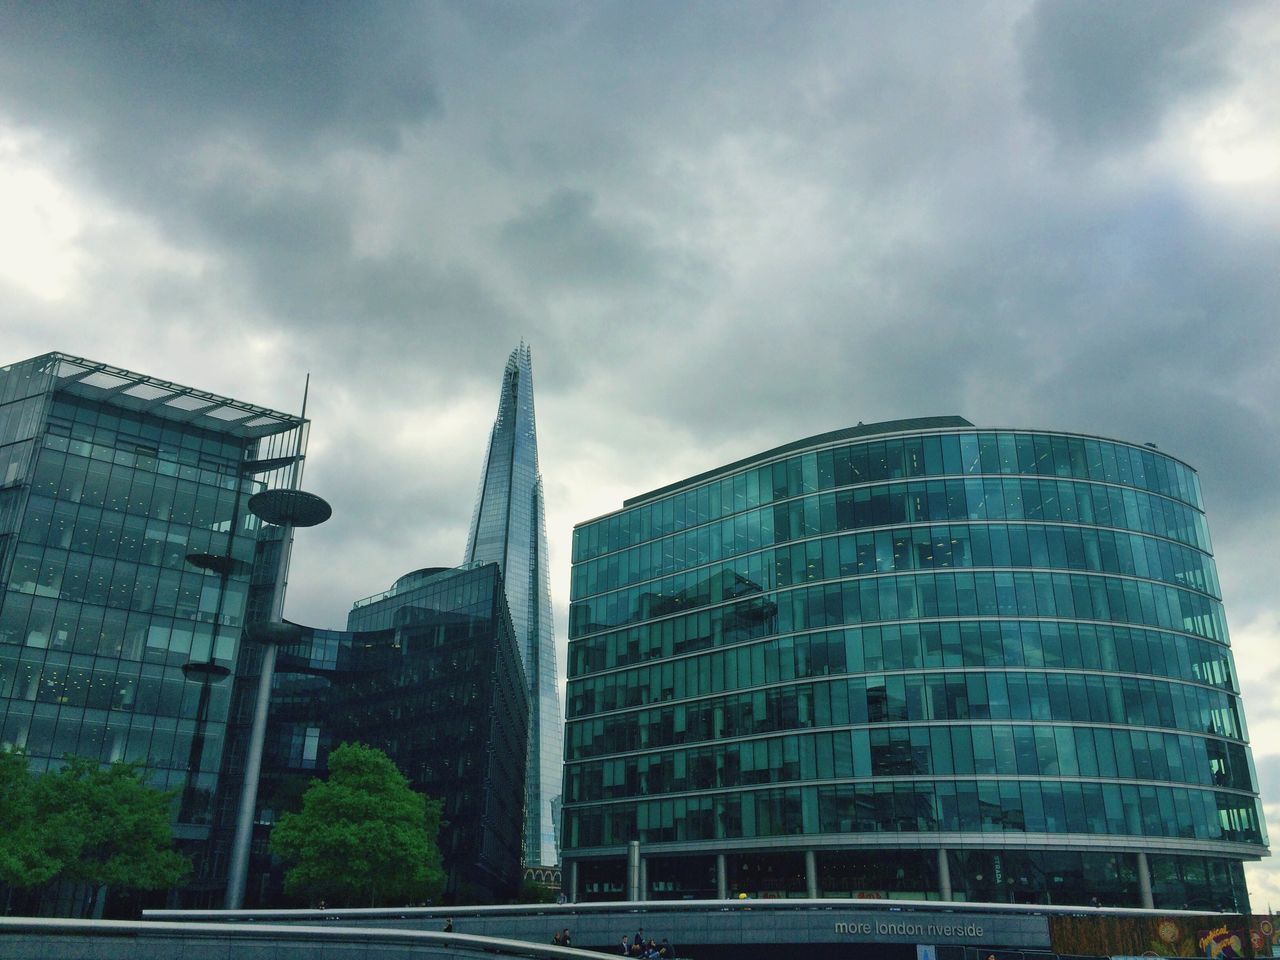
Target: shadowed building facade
[(509, 528), (911, 659), (429, 673), (125, 554)]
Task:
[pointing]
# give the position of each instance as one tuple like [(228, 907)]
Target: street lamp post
[(286, 508)]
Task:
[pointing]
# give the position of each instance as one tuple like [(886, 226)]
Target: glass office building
[(509, 528), (912, 659), (125, 550), (429, 673)]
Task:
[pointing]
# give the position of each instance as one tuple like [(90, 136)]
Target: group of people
[(561, 938), (646, 949)]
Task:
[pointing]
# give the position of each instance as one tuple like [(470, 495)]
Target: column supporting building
[(810, 875), (633, 870), (722, 884), (1144, 881), (944, 875)]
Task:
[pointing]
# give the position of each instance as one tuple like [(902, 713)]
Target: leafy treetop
[(104, 827), (363, 836)]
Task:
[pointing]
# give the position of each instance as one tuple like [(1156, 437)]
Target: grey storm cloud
[(563, 240), (296, 249), (143, 76), (1104, 75)]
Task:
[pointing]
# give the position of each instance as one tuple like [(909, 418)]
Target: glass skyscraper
[(912, 659), (509, 528), (125, 557)]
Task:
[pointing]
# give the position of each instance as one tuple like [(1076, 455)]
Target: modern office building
[(125, 554), (911, 659), (429, 673), (509, 528)]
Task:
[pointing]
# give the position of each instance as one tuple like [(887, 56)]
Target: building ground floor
[(1137, 879)]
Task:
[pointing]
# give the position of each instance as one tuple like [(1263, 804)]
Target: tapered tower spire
[(509, 528)]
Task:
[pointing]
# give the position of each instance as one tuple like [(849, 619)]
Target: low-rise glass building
[(429, 672), (911, 659)]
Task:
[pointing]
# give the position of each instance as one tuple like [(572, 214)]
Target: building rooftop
[(414, 580), (170, 401), (860, 432)]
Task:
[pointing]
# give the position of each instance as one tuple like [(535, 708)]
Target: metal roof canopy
[(160, 398)]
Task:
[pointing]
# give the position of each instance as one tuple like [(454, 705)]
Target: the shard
[(509, 528)]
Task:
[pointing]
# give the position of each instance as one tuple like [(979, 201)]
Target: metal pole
[(249, 793), (239, 867), (196, 753)]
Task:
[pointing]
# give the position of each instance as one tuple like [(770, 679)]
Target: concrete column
[(722, 884), (1144, 882), (644, 878), (572, 891), (633, 870), (239, 869), (810, 875), (944, 875)]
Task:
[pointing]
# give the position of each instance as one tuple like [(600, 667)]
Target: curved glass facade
[(1001, 651)]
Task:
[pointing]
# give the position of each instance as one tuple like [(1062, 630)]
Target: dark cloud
[(145, 77), (564, 242), (1105, 75)]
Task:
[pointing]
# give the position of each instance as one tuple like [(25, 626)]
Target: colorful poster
[(1221, 943)]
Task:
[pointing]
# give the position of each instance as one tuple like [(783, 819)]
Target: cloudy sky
[(721, 226)]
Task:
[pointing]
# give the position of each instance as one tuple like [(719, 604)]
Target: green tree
[(363, 836), (108, 828), (26, 859)]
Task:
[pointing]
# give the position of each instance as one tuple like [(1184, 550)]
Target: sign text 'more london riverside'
[(928, 927), (969, 930)]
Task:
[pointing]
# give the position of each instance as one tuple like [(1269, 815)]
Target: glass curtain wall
[(113, 481), (932, 638), (509, 528)]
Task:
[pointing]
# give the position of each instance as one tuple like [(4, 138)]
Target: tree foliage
[(109, 827), (26, 859), (104, 827), (363, 837)]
